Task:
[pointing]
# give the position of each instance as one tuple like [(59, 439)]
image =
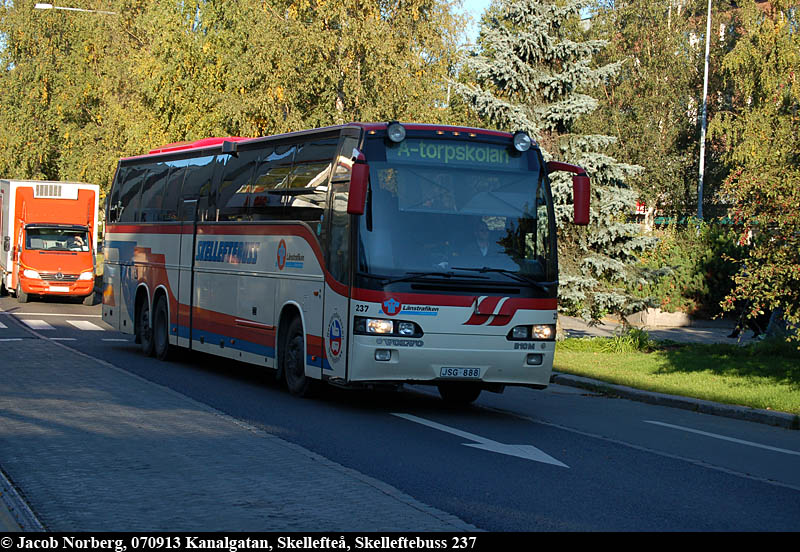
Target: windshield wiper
[(544, 286), (417, 275)]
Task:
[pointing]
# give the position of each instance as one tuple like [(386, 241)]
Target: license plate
[(59, 288), (448, 372)]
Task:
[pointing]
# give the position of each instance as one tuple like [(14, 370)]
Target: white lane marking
[(114, 339), (63, 339), (527, 452), (85, 325), (722, 437), (11, 339), (37, 324)]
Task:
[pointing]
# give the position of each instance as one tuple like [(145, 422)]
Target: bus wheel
[(22, 297), (144, 331), (294, 366), (161, 346), (459, 393)]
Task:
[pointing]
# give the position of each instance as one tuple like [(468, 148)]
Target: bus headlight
[(378, 326), (535, 332), (522, 142), (382, 326), (543, 331), (86, 276), (406, 328), (28, 273), (396, 132)]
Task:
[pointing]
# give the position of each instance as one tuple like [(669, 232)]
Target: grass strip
[(764, 375)]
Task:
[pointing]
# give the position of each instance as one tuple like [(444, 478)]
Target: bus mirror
[(358, 189), (580, 194)]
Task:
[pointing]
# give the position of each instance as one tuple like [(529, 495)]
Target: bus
[(357, 255)]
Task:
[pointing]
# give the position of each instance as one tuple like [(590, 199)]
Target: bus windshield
[(460, 208)]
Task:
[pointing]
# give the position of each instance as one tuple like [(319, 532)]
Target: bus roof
[(367, 127)]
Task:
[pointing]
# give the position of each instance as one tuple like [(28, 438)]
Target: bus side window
[(152, 192), (114, 206), (272, 174), (129, 194), (234, 190), (309, 180), (172, 192), (197, 183)]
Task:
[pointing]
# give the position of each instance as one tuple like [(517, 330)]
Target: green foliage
[(696, 263), (760, 132), (628, 340), (653, 106), (82, 90)]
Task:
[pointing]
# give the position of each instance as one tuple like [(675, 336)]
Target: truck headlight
[(28, 273), (86, 276)]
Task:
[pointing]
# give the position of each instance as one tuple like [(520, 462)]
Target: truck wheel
[(22, 297), (89, 299), (293, 360), (458, 393), (143, 330), (161, 345)]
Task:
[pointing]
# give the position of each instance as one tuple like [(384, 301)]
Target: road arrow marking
[(527, 452)]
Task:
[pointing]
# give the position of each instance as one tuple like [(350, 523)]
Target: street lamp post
[(704, 119), (42, 6)]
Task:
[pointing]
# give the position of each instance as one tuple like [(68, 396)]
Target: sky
[(475, 8)]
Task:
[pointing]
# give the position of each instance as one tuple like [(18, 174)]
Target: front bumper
[(78, 288), (432, 358)]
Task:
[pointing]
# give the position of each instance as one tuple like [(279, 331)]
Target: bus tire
[(161, 347), (459, 393), (143, 329), (22, 297), (293, 359)]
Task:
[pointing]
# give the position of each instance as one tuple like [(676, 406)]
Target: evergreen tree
[(532, 72)]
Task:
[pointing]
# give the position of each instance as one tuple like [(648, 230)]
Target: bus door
[(188, 217), (336, 321)]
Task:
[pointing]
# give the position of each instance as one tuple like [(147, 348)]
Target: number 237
[(464, 542)]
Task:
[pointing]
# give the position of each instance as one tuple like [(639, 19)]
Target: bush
[(702, 261)]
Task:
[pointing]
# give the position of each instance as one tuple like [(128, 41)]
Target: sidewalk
[(92, 447), (700, 331)]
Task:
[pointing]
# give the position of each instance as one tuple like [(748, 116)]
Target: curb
[(15, 514), (768, 417)]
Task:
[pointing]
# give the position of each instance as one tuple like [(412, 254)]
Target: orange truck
[(49, 238)]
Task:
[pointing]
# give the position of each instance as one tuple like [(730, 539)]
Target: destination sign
[(448, 152)]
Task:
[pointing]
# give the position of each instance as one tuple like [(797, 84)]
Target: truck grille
[(58, 277)]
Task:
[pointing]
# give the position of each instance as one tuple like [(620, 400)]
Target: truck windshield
[(462, 208), (45, 238)]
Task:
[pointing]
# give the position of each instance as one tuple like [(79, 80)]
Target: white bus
[(354, 255)]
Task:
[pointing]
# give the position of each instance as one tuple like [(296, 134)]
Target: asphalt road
[(562, 459)]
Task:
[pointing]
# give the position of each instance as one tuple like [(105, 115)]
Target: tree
[(760, 132), (532, 71), (652, 106), (83, 90)]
